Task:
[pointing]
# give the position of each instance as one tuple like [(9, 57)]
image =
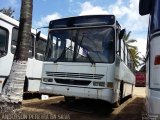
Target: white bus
[(152, 7), (8, 42), (97, 65)]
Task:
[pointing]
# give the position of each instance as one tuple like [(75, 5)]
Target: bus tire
[(69, 99), (120, 97), (131, 95), (25, 89), (121, 91), (4, 82)]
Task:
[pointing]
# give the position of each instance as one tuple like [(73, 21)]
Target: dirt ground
[(82, 109)]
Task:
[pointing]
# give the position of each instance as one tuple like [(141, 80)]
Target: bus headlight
[(95, 83), (102, 84), (47, 80)]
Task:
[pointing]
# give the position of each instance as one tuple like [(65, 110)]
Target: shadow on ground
[(133, 111), (86, 109)]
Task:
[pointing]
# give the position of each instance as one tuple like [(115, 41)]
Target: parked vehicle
[(8, 42), (86, 57), (140, 79), (152, 7)]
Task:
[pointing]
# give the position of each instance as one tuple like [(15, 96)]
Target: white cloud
[(128, 16), (141, 44), (45, 20), (118, 10), (89, 9)]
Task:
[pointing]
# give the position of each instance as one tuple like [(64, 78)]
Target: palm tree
[(134, 57), (129, 41), (13, 89), (143, 64), (133, 50)]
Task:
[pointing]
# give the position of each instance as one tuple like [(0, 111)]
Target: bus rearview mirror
[(38, 35), (121, 34), (145, 7)]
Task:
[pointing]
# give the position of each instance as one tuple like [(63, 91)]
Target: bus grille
[(73, 82), (75, 75)]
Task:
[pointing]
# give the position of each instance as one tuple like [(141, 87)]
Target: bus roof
[(9, 19), (16, 24), (78, 21)]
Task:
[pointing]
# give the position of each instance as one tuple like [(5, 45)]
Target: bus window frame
[(40, 39), (86, 27), (32, 47), (7, 40)]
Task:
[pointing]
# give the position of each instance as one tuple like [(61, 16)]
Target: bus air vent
[(73, 82), (75, 75)]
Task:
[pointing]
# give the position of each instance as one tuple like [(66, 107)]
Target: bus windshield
[(94, 45)]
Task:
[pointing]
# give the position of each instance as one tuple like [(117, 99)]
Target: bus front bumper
[(83, 92)]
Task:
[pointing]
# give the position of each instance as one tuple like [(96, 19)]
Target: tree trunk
[(13, 89)]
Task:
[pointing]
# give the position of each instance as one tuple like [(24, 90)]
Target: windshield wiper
[(63, 52), (90, 58)]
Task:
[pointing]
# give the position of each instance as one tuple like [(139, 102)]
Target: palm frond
[(131, 41)]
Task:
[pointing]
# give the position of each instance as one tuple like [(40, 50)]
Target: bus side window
[(122, 50), (3, 41), (126, 55), (14, 40), (40, 48), (14, 43), (129, 60), (117, 48)]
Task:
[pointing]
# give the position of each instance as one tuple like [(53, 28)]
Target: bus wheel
[(25, 89), (69, 99), (121, 92), (4, 82), (131, 95), (120, 97), (118, 102)]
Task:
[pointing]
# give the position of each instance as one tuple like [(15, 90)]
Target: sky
[(126, 12)]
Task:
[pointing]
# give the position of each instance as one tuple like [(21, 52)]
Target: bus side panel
[(124, 75), (153, 97), (6, 61), (34, 72), (128, 79), (155, 69), (5, 67)]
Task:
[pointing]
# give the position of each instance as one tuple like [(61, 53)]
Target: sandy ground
[(56, 109), (140, 92)]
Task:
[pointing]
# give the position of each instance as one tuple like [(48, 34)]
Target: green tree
[(135, 57), (8, 11), (129, 41), (143, 64), (13, 89), (133, 50)]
